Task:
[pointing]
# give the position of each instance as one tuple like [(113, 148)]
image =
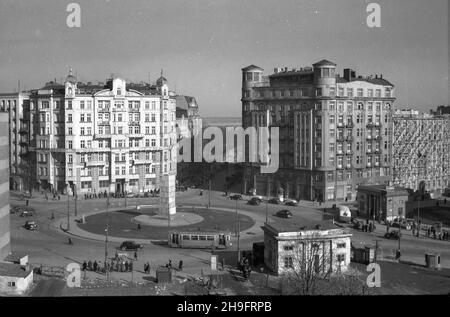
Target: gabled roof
[(324, 62), (252, 67)]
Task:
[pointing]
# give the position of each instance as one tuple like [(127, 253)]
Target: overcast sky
[(203, 44)]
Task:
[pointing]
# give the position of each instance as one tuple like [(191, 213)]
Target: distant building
[(441, 110), (290, 247), (421, 150), (5, 248), (335, 131), (382, 202)]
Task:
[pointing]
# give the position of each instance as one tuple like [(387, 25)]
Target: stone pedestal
[(167, 195)]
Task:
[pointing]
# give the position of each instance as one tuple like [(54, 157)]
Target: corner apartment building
[(114, 136), (421, 152), (335, 131), (17, 105), (5, 248)]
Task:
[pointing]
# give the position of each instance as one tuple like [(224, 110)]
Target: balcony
[(340, 138), (377, 137), (377, 151), (349, 166), (368, 137), (340, 125), (349, 152), (339, 152), (140, 162), (369, 151), (339, 167), (377, 124), (349, 125), (349, 138), (94, 163), (369, 165), (377, 164)]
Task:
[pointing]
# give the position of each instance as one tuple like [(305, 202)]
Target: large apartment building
[(114, 136), (335, 131), (17, 106), (5, 247), (421, 158)]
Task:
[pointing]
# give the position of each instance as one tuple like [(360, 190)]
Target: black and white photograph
[(235, 151)]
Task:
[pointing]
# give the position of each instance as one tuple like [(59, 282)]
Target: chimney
[(349, 74)]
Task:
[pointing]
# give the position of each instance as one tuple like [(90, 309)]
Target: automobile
[(30, 225), (284, 213), (131, 195), (394, 234), (130, 245), (291, 202), (275, 200), (26, 213), (236, 197), (254, 201), (404, 224), (260, 198)]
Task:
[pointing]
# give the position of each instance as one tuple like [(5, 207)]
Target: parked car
[(26, 213), (236, 197), (260, 198), (130, 245), (291, 202), (131, 195), (284, 213), (30, 225), (275, 200), (254, 201)]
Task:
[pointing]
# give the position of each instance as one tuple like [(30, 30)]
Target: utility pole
[(106, 235), (68, 208), (75, 195), (209, 188), (267, 202)]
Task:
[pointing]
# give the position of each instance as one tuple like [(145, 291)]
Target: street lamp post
[(76, 197)]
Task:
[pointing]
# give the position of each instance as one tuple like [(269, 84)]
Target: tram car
[(199, 239)]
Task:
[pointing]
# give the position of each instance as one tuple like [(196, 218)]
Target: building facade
[(113, 136), (421, 151), (335, 131), (290, 247), (5, 247), (17, 105), (381, 202)]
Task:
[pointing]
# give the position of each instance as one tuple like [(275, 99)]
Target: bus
[(199, 239)]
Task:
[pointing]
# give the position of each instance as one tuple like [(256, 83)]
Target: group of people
[(369, 226), (112, 266)]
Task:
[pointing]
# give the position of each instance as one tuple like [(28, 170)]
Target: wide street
[(48, 245)]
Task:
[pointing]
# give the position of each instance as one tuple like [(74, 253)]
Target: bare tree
[(309, 271)]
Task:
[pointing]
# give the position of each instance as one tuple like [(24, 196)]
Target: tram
[(199, 239)]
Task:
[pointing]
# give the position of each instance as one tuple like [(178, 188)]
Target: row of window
[(102, 104), (319, 92)]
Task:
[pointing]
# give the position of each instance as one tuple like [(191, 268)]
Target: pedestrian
[(135, 255), (180, 265), (145, 268), (139, 226), (84, 266), (126, 266), (130, 266), (95, 266), (445, 201), (117, 266), (89, 265), (169, 265)]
